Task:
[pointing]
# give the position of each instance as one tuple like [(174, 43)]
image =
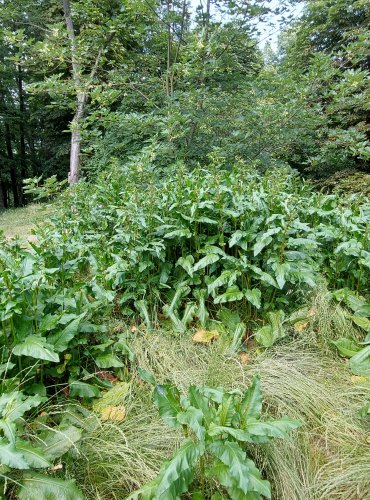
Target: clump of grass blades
[(330, 319), (117, 458), (317, 390), (325, 459)]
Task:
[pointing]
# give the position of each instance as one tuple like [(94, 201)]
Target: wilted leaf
[(300, 326), (113, 397), (205, 336), (244, 358), (113, 413), (356, 379)]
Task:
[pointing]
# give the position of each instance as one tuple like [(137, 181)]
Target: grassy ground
[(21, 221), (327, 458)]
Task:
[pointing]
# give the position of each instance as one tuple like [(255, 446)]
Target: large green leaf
[(232, 294), (61, 339), (198, 400), (177, 474), (262, 276), (362, 322), (281, 270), (83, 390), (215, 430), (226, 277), (265, 336), (146, 376), (167, 399), (186, 263), (108, 361), (261, 243), (238, 238), (206, 261), (178, 233), (241, 472), (36, 486), (360, 362), (272, 428), (12, 457), (4, 367), (251, 403), (58, 440), (363, 310), (270, 333), (15, 404), (36, 347), (254, 297), (142, 307), (193, 418), (35, 457), (346, 347)]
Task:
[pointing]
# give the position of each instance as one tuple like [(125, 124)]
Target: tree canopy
[(85, 84)]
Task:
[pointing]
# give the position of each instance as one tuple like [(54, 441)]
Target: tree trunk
[(74, 165), (74, 161), (13, 169), (2, 196), (81, 94), (22, 140)]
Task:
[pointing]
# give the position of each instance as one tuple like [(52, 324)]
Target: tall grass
[(326, 459), (117, 458)]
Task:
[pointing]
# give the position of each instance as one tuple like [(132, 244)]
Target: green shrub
[(210, 237)]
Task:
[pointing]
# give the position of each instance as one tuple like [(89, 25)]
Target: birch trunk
[(74, 160)]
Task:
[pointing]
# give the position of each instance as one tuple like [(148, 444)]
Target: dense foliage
[(215, 208), (221, 249), (183, 83)]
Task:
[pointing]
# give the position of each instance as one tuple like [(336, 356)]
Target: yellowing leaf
[(357, 379), (205, 336), (300, 326), (312, 312), (113, 413), (113, 397), (244, 358)]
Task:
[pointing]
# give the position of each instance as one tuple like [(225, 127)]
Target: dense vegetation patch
[(193, 319), (227, 252)]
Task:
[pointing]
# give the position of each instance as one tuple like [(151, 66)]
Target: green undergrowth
[(321, 460), (271, 276)]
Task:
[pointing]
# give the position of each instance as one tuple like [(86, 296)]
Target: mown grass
[(326, 459), (20, 221)]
